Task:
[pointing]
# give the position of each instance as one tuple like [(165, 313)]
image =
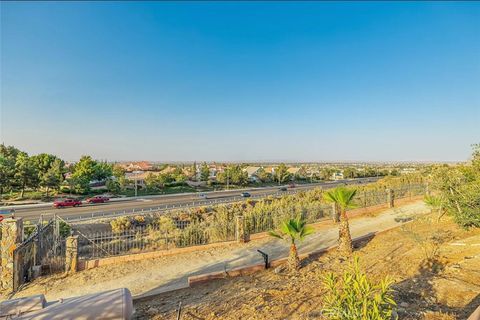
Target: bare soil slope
[(446, 288)]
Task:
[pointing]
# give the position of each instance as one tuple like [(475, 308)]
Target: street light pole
[(136, 185), (227, 179)]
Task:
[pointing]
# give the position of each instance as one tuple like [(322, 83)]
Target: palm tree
[(343, 199), (292, 230)]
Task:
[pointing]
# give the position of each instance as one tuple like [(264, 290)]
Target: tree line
[(20, 171)]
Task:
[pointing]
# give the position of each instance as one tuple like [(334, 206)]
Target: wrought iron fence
[(157, 236), (44, 249), (176, 232)]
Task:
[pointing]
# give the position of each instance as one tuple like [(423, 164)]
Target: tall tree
[(234, 174), (83, 172), (263, 175), (102, 171), (204, 172), (42, 162), (53, 177), (343, 199), (281, 174), (25, 172), (8, 156), (292, 230)]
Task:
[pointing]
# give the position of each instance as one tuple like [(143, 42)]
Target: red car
[(97, 199), (67, 203)]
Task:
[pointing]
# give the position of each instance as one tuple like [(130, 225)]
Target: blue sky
[(309, 81)]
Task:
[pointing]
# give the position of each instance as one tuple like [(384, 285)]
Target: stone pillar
[(241, 234), (335, 213), (71, 254), (390, 198), (12, 234)]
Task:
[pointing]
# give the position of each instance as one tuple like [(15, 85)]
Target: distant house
[(408, 170), (137, 166), (270, 170), (139, 176), (252, 173), (337, 176), (294, 170), (212, 172)]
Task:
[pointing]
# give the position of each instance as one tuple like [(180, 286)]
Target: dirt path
[(162, 274)]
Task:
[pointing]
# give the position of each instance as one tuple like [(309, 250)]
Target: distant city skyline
[(241, 81)]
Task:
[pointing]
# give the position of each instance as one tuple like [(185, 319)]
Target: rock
[(152, 311), (280, 269), (404, 304), (401, 310)]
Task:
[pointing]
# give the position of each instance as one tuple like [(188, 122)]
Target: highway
[(163, 202)]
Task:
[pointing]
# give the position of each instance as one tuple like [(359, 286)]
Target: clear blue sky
[(241, 81)]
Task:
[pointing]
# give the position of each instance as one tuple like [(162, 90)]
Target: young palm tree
[(343, 199), (292, 230), (436, 204)]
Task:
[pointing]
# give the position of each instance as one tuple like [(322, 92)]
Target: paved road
[(156, 203)]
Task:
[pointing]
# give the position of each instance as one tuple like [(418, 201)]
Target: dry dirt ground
[(448, 288), (153, 276)]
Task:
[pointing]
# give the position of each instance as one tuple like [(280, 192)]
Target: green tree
[(102, 171), (154, 182), (43, 162), (459, 188), (349, 173), (119, 176), (53, 177), (25, 172), (263, 175), (234, 174), (7, 173), (281, 174), (83, 172), (204, 172), (292, 230), (327, 173), (343, 199), (113, 185), (354, 296)]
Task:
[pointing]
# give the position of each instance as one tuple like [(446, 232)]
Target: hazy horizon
[(236, 81)]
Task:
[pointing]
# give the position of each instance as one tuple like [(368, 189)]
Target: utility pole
[(135, 173), (227, 178), (136, 185)]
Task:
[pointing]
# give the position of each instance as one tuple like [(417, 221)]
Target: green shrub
[(354, 296), (120, 224), (194, 234), (65, 229)]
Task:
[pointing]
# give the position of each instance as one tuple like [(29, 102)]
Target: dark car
[(283, 189), (246, 194), (67, 203), (97, 199)]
